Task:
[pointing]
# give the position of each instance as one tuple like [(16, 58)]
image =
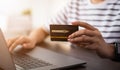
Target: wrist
[(111, 50), (106, 51)]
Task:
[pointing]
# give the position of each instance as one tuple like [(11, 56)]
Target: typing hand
[(25, 41)]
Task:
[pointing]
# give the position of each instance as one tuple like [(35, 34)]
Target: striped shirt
[(104, 16)]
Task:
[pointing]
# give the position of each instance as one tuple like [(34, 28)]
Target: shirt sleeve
[(59, 18)]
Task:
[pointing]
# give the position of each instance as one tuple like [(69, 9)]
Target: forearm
[(38, 35)]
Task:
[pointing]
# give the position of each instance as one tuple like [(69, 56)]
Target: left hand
[(91, 38)]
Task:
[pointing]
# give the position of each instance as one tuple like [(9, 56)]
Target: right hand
[(25, 41)]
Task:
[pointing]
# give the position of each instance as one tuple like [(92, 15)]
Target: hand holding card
[(61, 32)]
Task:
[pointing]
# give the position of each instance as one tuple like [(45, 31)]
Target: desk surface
[(94, 62)]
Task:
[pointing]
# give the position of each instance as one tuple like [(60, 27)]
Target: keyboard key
[(28, 62)]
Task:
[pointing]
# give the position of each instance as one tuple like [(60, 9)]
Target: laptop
[(37, 59)]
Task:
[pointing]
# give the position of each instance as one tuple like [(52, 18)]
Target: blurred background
[(20, 16)]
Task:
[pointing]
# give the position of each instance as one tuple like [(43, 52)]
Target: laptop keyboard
[(28, 62)]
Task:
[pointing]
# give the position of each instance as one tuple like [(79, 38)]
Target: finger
[(82, 32), (85, 25), (82, 45), (26, 45), (11, 41), (82, 38), (19, 41)]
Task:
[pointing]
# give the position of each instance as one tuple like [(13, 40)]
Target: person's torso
[(105, 16)]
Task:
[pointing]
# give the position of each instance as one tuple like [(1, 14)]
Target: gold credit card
[(61, 32)]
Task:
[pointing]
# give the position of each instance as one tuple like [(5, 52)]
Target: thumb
[(28, 46)]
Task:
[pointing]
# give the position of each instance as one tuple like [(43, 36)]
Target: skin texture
[(91, 38), (28, 42)]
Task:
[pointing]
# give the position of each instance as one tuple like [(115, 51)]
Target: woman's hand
[(25, 41), (90, 38)]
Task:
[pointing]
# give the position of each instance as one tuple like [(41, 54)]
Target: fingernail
[(68, 39), (69, 36)]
